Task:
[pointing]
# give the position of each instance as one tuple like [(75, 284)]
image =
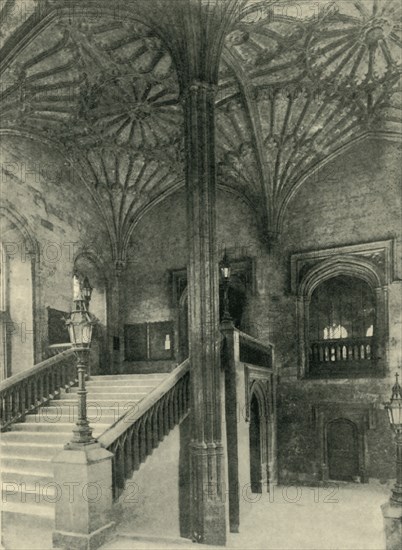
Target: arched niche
[(260, 420), (370, 263), (19, 309), (87, 265)]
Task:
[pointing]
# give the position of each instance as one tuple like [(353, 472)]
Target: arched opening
[(86, 266), (255, 446), (17, 264), (342, 327), (342, 450), (237, 302)]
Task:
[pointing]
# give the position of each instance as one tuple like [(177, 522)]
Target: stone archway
[(259, 438), (19, 304)]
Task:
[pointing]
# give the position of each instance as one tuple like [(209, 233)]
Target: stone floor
[(341, 517)]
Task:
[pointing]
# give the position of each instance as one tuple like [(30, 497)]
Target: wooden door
[(343, 452)]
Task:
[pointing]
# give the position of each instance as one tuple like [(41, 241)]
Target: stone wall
[(354, 199), (159, 246), (43, 202)]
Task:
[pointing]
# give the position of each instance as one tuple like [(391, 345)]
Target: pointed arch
[(21, 312)]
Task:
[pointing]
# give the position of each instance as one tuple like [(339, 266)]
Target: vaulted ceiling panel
[(296, 84)]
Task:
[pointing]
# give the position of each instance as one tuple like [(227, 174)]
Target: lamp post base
[(392, 514)]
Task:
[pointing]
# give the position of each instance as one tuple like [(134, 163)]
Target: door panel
[(342, 447)]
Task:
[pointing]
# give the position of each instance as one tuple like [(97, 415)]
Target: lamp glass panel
[(226, 272)]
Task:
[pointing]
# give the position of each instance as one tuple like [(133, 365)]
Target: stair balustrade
[(134, 436), (26, 391), (254, 352)]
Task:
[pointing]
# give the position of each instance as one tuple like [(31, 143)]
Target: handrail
[(26, 391), (252, 340), (254, 352), (36, 369), (134, 436)]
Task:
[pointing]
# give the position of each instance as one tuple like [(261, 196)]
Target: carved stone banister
[(254, 352), (246, 337), (133, 436), (136, 411), (27, 391)]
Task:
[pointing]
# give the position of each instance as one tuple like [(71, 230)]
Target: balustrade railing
[(342, 350), (27, 391), (134, 436)]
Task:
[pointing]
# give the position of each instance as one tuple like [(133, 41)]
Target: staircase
[(26, 451)]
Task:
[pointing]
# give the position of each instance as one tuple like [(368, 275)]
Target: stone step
[(126, 383), (120, 395), (103, 414), (27, 436), (128, 376), (35, 490), (30, 450), (27, 465), (11, 475), (104, 402), (59, 427), (42, 509)]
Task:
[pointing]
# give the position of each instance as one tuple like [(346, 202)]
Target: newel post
[(83, 470)]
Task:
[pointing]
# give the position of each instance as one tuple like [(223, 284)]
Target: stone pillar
[(392, 514), (115, 327), (208, 517), (83, 478), (392, 510)]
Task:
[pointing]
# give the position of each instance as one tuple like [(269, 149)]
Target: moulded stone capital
[(195, 87)]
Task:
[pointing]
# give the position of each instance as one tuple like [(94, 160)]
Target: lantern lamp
[(394, 406)]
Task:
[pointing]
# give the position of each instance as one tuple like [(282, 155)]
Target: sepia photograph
[(201, 274)]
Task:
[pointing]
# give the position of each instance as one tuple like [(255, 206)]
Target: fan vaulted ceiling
[(298, 82)]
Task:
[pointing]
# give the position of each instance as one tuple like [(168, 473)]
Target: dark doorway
[(343, 452), (183, 327), (255, 447), (237, 301)]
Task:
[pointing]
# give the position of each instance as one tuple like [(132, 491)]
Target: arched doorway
[(255, 446), (342, 450), (18, 329)]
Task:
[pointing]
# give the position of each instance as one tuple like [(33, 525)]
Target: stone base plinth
[(83, 478), (392, 514), (76, 541)]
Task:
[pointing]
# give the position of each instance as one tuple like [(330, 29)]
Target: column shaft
[(207, 471)]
